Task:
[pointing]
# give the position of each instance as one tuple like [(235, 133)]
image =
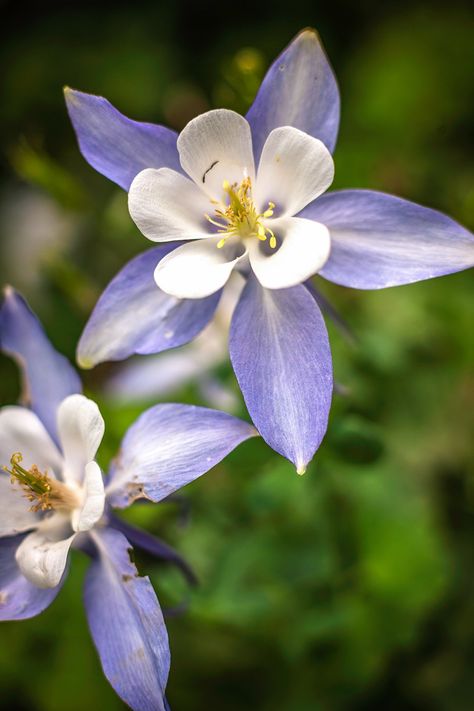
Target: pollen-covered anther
[(45, 493), (239, 217)]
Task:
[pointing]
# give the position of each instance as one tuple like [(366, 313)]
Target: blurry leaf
[(356, 440), (39, 169)]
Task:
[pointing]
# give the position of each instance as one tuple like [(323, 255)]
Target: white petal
[(81, 428), (304, 248), (94, 499), (294, 169), (166, 206), (22, 431), (212, 139), (42, 555), (15, 514), (198, 269)]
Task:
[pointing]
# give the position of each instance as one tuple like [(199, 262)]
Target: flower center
[(44, 493), (239, 217)]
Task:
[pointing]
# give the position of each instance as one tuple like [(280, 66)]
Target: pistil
[(45, 493)]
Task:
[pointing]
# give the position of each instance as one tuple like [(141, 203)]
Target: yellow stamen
[(238, 217), (214, 222), (269, 211), (43, 492)]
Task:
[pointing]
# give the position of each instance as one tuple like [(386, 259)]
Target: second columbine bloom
[(54, 498)]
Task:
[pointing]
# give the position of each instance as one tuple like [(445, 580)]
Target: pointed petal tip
[(301, 469), (308, 33), (84, 362), (84, 359), (70, 95), (74, 97)]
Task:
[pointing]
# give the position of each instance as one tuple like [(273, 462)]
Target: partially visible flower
[(53, 498), (246, 193)]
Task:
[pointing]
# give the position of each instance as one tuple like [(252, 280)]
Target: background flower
[(53, 498)]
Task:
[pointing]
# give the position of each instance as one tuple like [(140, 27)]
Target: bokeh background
[(350, 588)]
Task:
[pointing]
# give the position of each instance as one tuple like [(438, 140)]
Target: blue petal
[(134, 316), (48, 377), (126, 624), (280, 352), (299, 90), (113, 144), (19, 599), (378, 240), (154, 546), (170, 446)]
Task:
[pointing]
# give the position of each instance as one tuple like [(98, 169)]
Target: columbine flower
[(246, 193), (233, 214), (53, 497)]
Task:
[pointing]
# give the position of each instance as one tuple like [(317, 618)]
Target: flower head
[(59, 490), (53, 497), (247, 194), (235, 217)]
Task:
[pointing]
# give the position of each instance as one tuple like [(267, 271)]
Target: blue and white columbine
[(247, 194), (53, 497)]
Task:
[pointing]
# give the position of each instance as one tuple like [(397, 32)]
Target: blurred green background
[(350, 588)]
